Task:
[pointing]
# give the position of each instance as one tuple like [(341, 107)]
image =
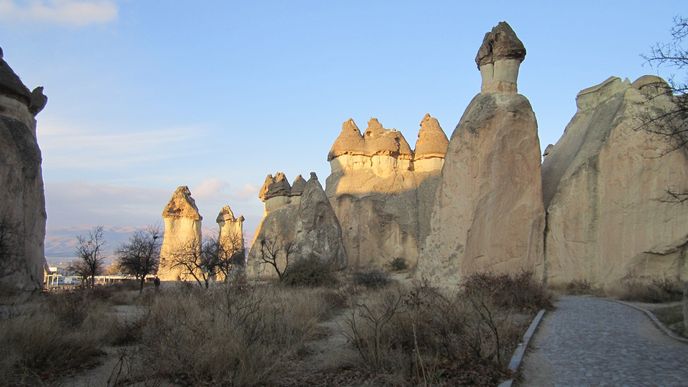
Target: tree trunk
[(143, 279)]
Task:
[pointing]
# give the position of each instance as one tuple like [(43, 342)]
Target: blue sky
[(147, 95)]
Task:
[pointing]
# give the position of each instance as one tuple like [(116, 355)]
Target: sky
[(148, 95)]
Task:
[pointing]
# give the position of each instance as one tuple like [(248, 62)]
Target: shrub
[(372, 278), (655, 291), (226, 336), (310, 272), (398, 264), (518, 291), (579, 287)]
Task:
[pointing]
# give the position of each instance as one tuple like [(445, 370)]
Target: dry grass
[(228, 336)]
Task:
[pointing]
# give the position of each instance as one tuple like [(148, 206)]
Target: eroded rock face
[(380, 190), (304, 221), (488, 213), (605, 183), (231, 235), (182, 231), (22, 200)]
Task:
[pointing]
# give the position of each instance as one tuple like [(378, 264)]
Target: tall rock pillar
[(22, 201), (182, 231), (488, 213), (231, 236)]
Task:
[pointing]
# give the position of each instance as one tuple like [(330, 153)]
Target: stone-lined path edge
[(654, 320), (517, 357)]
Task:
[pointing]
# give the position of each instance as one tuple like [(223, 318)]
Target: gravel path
[(591, 341)]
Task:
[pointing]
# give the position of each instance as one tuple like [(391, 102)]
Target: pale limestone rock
[(231, 234), (22, 200), (182, 230), (309, 223), (488, 213), (604, 185), (380, 195)]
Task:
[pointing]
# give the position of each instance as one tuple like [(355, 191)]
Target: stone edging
[(654, 320), (520, 351)]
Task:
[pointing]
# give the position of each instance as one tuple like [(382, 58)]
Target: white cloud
[(62, 12)]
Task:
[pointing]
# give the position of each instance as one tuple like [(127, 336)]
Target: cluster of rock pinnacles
[(484, 200)]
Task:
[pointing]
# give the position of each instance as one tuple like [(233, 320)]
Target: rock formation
[(605, 189), (488, 213), (182, 231), (299, 218), (380, 190), (22, 201), (231, 235)]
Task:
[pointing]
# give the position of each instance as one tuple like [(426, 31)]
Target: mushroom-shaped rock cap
[(500, 43), (266, 185), (226, 215), (279, 187), (381, 141), (432, 141), (349, 141), (11, 85), (181, 205), (652, 84), (313, 176), (38, 100), (297, 186)]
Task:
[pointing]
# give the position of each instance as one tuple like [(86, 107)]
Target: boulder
[(22, 200), (182, 231), (308, 228), (605, 183), (488, 213)]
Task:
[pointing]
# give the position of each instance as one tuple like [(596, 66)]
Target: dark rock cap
[(181, 205), (273, 187), (11, 85), (298, 186), (500, 43)]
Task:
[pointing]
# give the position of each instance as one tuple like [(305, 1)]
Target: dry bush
[(424, 336), (519, 291), (309, 272), (372, 278), (654, 291), (60, 334), (228, 336), (398, 264)]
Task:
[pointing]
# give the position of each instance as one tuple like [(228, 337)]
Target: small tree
[(198, 260), (227, 253), (272, 249), (140, 255), (89, 252)]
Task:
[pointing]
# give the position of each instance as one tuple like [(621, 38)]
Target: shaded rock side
[(488, 213), (380, 196), (231, 237), (605, 186), (22, 200), (308, 224), (182, 232)]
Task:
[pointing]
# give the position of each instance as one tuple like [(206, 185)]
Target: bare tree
[(228, 253), (198, 260), (272, 249), (140, 255), (89, 252)]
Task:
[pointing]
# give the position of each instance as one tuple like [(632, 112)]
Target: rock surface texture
[(381, 190), (182, 231), (22, 201), (605, 185), (302, 222), (488, 213), (231, 235)]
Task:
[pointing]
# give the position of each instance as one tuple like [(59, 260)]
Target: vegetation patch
[(654, 291)]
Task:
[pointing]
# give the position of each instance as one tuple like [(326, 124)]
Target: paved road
[(591, 341)]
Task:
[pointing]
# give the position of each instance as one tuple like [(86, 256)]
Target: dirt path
[(593, 341)]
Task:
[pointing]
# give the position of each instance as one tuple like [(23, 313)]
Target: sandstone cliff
[(182, 231), (488, 213), (297, 218), (605, 184), (22, 201), (380, 190)]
